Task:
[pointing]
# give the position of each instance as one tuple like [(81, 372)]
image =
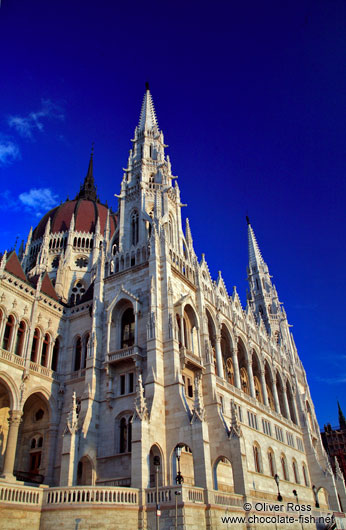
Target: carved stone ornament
[(72, 417), (235, 429), (198, 412), (141, 410)]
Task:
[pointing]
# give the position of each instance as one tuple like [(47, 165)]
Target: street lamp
[(179, 479), (277, 480), (157, 465), (317, 504)]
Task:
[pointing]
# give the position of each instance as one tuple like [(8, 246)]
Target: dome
[(86, 213)]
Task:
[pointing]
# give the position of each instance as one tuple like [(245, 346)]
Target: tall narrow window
[(271, 463), (34, 347), (284, 468), (256, 459), (123, 436), (295, 472), (305, 475), (85, 349), (128, 328), (45, 347), (20, 338), (6, 342), (55, 356), (134, 228), (129, 435), (78, 354)]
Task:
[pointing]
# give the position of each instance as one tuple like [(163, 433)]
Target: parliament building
[(136, 391)]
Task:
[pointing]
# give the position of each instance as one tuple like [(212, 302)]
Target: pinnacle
[(88, 189), (147, 119), (255, 256)]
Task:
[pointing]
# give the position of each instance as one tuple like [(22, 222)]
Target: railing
[(20, 494), (124, 353), (166, 494), (16, 359), (227, 499), (194, 494), (91, 495)]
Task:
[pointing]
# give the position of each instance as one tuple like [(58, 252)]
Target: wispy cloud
[(27, 125), (38, 200), (336, 380), (35, 201), (9, 152)]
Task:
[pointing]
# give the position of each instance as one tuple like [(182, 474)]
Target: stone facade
[(117, 347)]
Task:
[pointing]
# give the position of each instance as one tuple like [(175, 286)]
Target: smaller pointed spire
[(147, 119), (88, 189), (342, 420), (188, 235), (255, 256)]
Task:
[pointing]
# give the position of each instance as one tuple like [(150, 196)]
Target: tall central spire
[(88, 189), (147, 119), (255, 256)]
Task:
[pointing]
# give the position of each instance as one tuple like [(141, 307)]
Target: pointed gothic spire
[(342, 420), (255, 256), (88, 189), (147, 119)]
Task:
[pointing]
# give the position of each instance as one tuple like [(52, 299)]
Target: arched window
[(305, 475), (295, 472), (20, 338), (45, 350), (34, 347), (55, 355), (230, 370), (258, 389), (134, 228), (77, 292), (271, 463), (6, 342), (257, 461), (78, 354), (35, 455), (85, 349), (127, 328), (284, 467), (244, 380), (123, 436)]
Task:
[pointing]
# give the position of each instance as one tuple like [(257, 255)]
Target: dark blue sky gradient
[(251, 99)]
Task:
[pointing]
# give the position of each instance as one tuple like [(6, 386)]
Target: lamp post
[(157, 465), (277, 480), (317, 504), (179, 479), (295, 493)]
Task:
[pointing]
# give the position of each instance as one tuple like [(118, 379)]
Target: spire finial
[(147, 119), (255, 256), (342, 420), (88, 189), (247, 220), (147, 86)]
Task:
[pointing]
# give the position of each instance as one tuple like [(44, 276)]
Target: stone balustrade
[(20, 494), (90, 495)]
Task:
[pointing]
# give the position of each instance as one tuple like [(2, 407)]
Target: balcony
[(190, 359), (131, 353)]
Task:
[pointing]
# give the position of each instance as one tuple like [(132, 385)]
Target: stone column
[(234, 352), (286, 405), (250, 376), (219, 356), (11, 446), (109, 323), (51, 457), (136, 328), (276, 398), (264, 387)]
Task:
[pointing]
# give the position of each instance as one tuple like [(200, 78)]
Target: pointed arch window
[(257, 460), (134, 228), (20, 338), (78, 354), (127, 328), (123, 436), (271, 463), (55, 356), (6, 342), (34, 347), (295, 472), (305, 475), (85, 349), (230, 370), (244, 380), (284, 467), (45, 350)]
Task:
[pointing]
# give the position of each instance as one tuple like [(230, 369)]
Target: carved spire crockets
[(72, 417), (235, 428), (198, 412), (147, 119), (141, 410), (88, 188)]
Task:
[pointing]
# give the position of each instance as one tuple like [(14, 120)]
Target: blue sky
[(251, 99)]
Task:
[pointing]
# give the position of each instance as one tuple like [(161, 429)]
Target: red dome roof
[(86, 214)]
